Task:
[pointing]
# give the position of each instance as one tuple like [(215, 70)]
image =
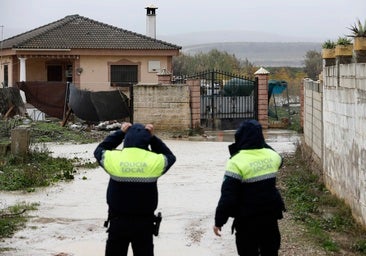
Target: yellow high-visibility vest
[(253, 165), (133, 165)]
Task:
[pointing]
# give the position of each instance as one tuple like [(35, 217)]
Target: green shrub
[(328, 44), (358, 29), (344, 41)]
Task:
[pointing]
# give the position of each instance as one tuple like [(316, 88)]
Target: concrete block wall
[(167, 107), (313, 117), (345, 137), (343, 129)]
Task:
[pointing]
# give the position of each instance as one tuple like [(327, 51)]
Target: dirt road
[(69, 220)]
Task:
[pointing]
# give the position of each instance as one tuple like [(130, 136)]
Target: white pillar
[(22, 72), (22, 76)]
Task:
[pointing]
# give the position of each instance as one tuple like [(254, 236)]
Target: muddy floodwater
[(70, 216)]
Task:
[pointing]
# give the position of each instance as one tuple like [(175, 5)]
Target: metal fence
[(226, 99)]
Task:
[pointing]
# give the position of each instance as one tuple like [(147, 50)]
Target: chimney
[(151, 21)]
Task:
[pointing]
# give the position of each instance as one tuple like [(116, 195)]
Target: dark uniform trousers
[(125, 231), (257, 232)]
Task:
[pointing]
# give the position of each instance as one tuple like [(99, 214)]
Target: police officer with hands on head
[(249, 193), (132, 193)]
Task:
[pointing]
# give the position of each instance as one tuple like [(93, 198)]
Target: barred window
[(123, 74)]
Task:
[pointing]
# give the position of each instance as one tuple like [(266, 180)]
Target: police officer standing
[(249, 193), (132, 193)]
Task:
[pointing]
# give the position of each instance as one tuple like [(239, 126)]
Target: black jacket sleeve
[(229, 201), (159, 147), (110, 142)]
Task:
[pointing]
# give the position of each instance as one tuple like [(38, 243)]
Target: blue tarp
[(276, 87)]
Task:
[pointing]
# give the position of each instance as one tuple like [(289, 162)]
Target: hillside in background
[(267, 54), (261, 49)]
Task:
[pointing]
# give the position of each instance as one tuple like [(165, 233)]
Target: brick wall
[(195, 99), (263, 100)]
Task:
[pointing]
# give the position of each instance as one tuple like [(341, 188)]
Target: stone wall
[(176, 107), (167, 107), (342, 132)]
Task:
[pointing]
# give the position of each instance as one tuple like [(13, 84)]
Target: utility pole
[(1, 46)]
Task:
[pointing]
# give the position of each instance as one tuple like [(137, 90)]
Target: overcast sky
[(308, 20)]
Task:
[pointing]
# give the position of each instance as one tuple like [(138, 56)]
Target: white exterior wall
[(344, 121), (335, 129), (313, 116)]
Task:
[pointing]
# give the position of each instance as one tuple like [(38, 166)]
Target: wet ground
[(70, 216)]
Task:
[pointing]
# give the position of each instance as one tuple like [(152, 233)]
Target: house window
[(123, 74), (6, 76), (54, 73), (154, 66)]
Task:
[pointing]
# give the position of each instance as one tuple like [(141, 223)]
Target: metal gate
[(226, 99)]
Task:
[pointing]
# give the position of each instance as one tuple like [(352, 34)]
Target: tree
[(247, 69), (313, 64), (214, 59), (292, 75)]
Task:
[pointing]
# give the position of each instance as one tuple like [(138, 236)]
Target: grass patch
[(53, 131), (328, 220), (36, 169), (14, 218), (50, 131), (292, 113)]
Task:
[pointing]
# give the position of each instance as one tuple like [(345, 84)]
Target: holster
[(106, 222), (157, 221)]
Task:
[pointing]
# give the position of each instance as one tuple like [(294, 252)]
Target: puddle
[(283, 141)]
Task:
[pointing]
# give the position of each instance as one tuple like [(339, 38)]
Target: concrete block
[(20, 139)]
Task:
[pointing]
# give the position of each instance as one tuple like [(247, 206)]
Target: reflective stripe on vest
[(253, 165), (133, 165)]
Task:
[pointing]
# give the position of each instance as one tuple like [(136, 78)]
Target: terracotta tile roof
[(77, 32)]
